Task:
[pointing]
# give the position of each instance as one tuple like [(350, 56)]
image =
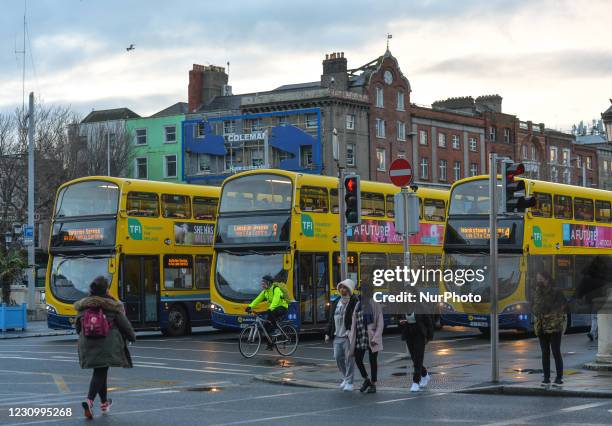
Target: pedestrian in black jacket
[(417, 330)]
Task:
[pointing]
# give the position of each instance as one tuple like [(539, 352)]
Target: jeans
[(550, 341), (416, 346), (98, 384), (344, 361), (359, 354)]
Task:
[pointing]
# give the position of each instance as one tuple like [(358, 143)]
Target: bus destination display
[(98, 233)]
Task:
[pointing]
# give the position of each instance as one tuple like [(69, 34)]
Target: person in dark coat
[(100, 353), (417, 330)]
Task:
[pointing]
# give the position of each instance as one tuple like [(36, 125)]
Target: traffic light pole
[(343, 239), (494, 320)]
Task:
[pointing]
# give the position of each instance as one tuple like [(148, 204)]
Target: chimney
[(205, 83), (492, 102), (334, 71)]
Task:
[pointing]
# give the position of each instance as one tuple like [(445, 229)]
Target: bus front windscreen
[(71, 276), (256, 192), (471, 198), (87, 198), (238, 275)]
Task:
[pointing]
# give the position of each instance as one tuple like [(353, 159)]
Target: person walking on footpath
[(103, 330), (549, 307), (366, 335), (417, 330), (338, 329)]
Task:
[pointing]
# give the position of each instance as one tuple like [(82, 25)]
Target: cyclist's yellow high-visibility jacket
[(273, 295)]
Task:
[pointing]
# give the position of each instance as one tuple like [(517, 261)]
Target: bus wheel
[(177, 321)]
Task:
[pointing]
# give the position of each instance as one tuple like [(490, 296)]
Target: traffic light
[(516, 200), (352, 200)]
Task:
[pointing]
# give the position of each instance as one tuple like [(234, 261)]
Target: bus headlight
[(216, 308), (516, 308), (51, 310)]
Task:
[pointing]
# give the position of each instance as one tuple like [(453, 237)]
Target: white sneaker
[(415, 387), (348, 387), (424, 381), (343, 384)]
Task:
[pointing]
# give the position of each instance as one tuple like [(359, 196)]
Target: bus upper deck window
[(563, 207), (176, 206), (602, 211), (434, 210), (313, 199), (142, 204), (204, 208), (583, 209), (372, 204), (543, 207), (390, 206), (333, 201)]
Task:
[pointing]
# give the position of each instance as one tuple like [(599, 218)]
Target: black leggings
[(98, 384), (550, 341), (275, 317), (359, 354)]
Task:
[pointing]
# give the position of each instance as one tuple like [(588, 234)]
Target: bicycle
[(250, 338)]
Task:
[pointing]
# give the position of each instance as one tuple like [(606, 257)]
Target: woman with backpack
[(103, 331)]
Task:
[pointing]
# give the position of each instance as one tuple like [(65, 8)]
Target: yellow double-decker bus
[(287, 225), (152, 240), (569, 228)]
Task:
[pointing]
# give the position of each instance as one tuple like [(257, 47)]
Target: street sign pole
[(405, 196), (493, 326), (400, 174), (343, 238)]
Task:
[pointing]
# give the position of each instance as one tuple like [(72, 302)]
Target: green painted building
[(158, 145)]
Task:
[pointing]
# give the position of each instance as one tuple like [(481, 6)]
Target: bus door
[(313, 281), (141, 290)]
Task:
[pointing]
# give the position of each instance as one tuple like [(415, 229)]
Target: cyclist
[(277, 309)]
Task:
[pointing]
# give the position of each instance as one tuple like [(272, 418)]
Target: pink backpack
[(94, 323)]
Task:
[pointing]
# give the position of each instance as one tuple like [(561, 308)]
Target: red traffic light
[(350, 184), (515, 170)]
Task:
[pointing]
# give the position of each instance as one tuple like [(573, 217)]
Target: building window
[(350, 155), (229, 127), (141, 137), (473, 144), (493, 133), (170, 134), (533, 152), (524, 148), (306, 156), (566, 156), (442, 140), (379, 97), (457, 170), (423, 137), (424, 168), (204, 162), (311, 121), (350, 121), (381, 159), (442, 176), (170, 166), (605, 166), (456, 142), (553, 154), (401, 154), (199, 129), (141, 168), (579, 161), (589, 165), (473, 169), (253, 125), (283, 120), (401, 131), (400, 101), (506, 135), (380, 128)]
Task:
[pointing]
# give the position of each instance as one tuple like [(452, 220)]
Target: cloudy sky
[(550, 60)]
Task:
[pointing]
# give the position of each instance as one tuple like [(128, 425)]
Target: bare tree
[(96, 138)]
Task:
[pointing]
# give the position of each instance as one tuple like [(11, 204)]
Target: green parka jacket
[(109, 351)]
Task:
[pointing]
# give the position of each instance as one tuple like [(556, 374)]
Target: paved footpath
[(465, 366)]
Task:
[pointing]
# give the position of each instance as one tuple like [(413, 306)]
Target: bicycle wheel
[(287, 343), (249, 341)]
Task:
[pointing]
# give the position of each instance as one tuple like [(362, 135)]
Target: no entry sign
[(400, 172)]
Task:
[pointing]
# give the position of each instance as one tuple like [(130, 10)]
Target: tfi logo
[(135, 229), (307, 226), (537, 236)]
